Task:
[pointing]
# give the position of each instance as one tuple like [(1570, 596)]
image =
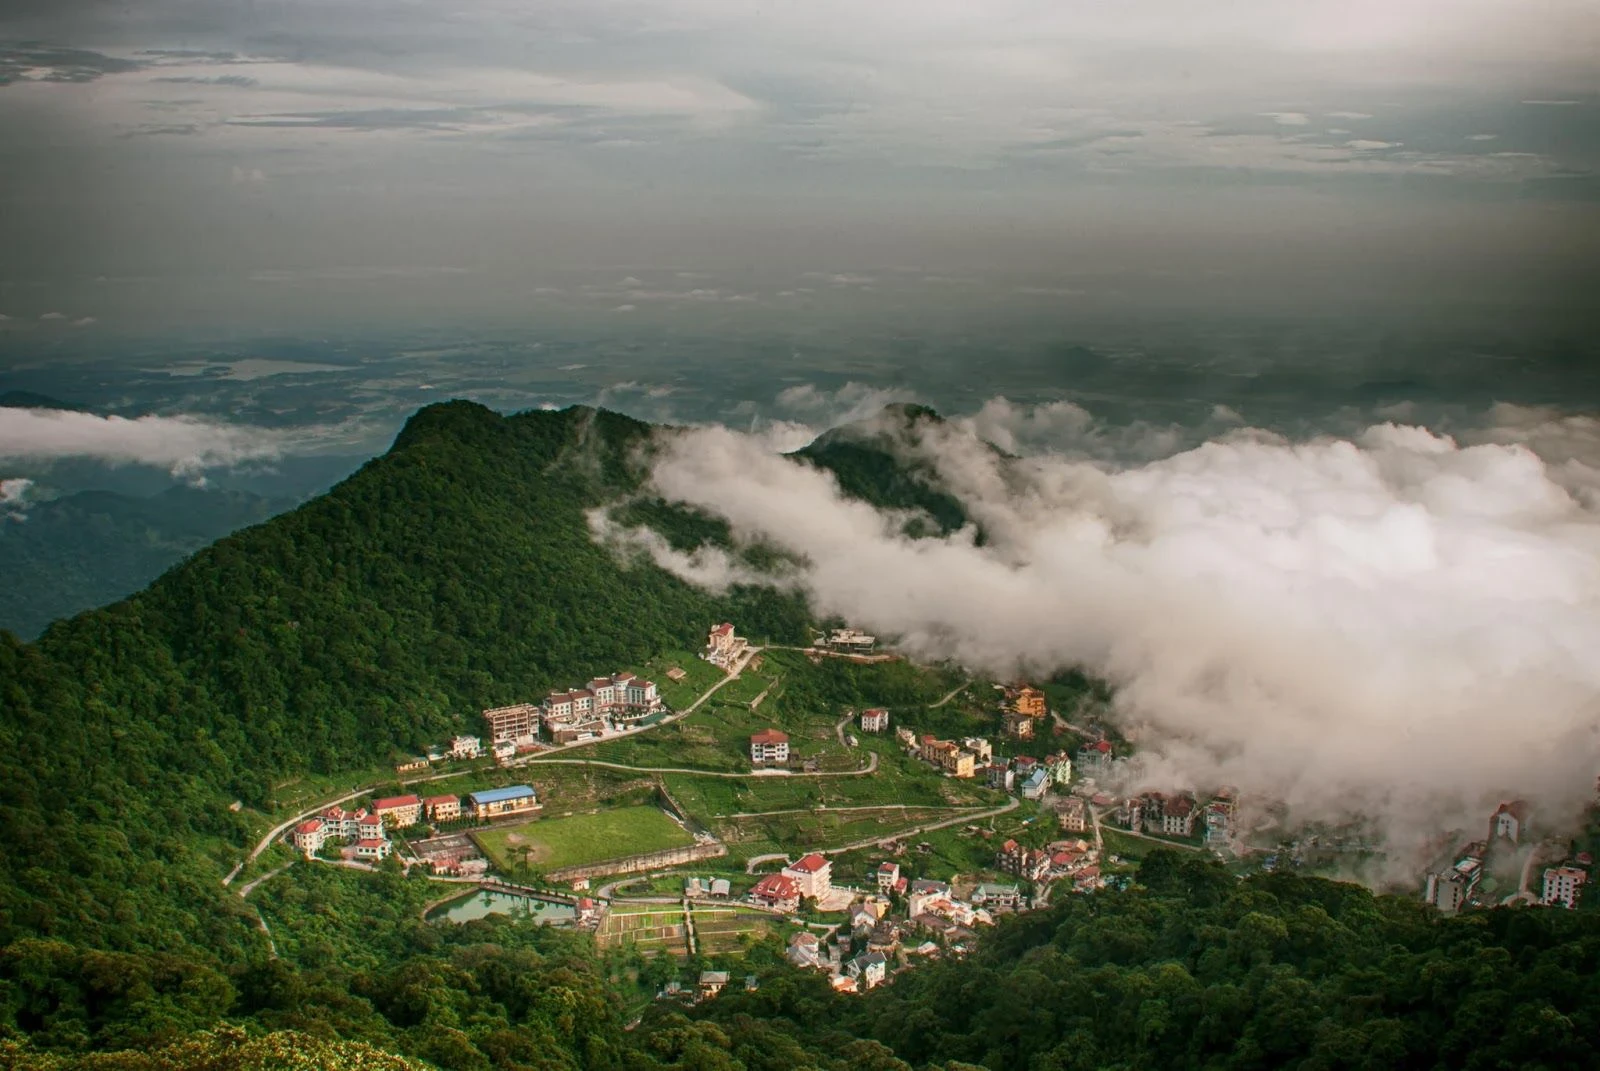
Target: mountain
[(453, 573), (70, 554), (27, 399)]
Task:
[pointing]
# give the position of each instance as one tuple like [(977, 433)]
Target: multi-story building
[(1219, 824), (1450, 889), (846, 639), (1074, 814), (1177, 816), (1001, 776), (812, 874), (724, 646), (770, 747), (868, 969), (1016, 724), (777, 891), (997, 897), (499, 802), (442, 808), (1035, 785), (982, 750), (518, 723), (875, 720), (466, 747), (1094, 758), (1562, 885), (888, 875), (373, 848), (309, 836), (1028, 701), (1060, 767), (399, 811), (1509, 821), (1027, 863)]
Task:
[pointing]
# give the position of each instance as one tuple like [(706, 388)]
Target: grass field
[(699, 675), (551, 843)]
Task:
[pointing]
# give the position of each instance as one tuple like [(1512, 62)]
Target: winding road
[(870, 767)]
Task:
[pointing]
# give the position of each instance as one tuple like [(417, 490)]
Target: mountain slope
[(452, 573), (84, 550)]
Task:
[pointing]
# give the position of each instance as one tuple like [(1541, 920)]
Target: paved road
[(1161, 840), (953, 693), (870, 767), (832, 810), (1010, 805)]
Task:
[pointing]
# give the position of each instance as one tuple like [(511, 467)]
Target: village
[(1000, 827)]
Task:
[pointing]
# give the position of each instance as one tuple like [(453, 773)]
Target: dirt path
[(1010, 805), (963, 686)]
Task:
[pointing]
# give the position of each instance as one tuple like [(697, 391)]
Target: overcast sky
[(301, 161)]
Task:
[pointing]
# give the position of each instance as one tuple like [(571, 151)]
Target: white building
[(868, 969), (1561, 886), (888, 875), (875, 720), (466, 747), (769, 747), (724, 646), (813, 874), (309, 837), (1510, 820)]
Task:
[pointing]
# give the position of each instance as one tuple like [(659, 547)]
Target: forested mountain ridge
[(452, 573)]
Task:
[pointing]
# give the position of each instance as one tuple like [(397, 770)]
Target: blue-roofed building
[(496, 802), (1033, 788)]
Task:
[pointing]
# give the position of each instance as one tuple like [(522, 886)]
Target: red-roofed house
[(875, 720), (769, 746), (812, 874), (1510, 820), (370, 827), (777, 891), (888, 874), (442, 808), (399, 811), (309, 837), (373, 848)]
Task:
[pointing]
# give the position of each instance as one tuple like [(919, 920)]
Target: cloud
[(53, 316), (1288, 118), (181, 444), (1348, 115), (13, 496), (1398, 624), (1368, 145), (84, 321), (851, 402)]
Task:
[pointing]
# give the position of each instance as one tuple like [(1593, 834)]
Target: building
[(868, 969), (504, 751), (950, 757), (1094, 758), (875, 720), (846, 639), (1028, 701), (906, 739), (1025, 765), (712, 983), (1562, 885), (1016, 725), (399, 811), (1510, 820), (618, 701), (1074, 814), (1059, 766), (769, 747), (724, 646), (1034, 787), (777, 891), (1177, 816), (466, 747), (499, 802), (923, 893), (805, 950), (997, 897), (518, 723), (442, 808), (812, 875), (1001, 777), (1450, 889), (371, 827), (888, 875), (982, 750), (1026, 863), (309, 837), (1219, 824), (373, 848)]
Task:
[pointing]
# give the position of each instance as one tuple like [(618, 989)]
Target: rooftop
[(501, 795), (809, 864), (769, 736)]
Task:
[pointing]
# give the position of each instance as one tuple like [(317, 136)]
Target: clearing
[(551, 843)]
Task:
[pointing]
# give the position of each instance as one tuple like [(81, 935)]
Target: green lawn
[(551, 843), (699, 675)]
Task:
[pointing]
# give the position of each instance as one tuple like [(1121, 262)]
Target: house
[(906, 738), (499, 802), (862, 920), (812, 875), (373, 848), (724, 646), (888, 874), (1026, 863), (721, 887), (1450, 889), (1036, 784), (1028, 701), (518, 723), (1562, 885), (1025, 765), (309, 836), (371, 827), (442, 808), (1016, 725), (1219, 824), (805, 950), (588, 910), (712, 983), (411, 766), (1510, 820), (338, 822), (1177, 816), (399, 811), (885, 937), (846, 639), (504, 751), (1094, 758), (922, 893), (777, 891), (875, 720), (868, 969), (1059, 766), (466, 747), (1001, 777), (953, 759), (982, 750), (618, 701), (769, 747), (1074, 814), (843, 983), (997, 897)]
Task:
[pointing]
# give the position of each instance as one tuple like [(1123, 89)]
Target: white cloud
[(53, 316), (1288, 118), (1399, 624), (625, 308), (184, 445), (1482, 137), (84, 321), (1348, 115), (1368, 145)]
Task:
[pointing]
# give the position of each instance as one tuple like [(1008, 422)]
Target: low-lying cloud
[(1398, 623), (182, 444)]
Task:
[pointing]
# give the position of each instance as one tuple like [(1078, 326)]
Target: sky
[(174, 165)]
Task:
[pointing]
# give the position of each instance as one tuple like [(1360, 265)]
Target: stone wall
[(635, 864)]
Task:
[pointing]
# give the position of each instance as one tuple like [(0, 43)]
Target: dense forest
[(457, 571)]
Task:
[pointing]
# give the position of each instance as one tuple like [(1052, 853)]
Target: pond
[(480, 903)]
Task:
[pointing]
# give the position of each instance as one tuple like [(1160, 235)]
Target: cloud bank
[(184, 445), (1398, 623)]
